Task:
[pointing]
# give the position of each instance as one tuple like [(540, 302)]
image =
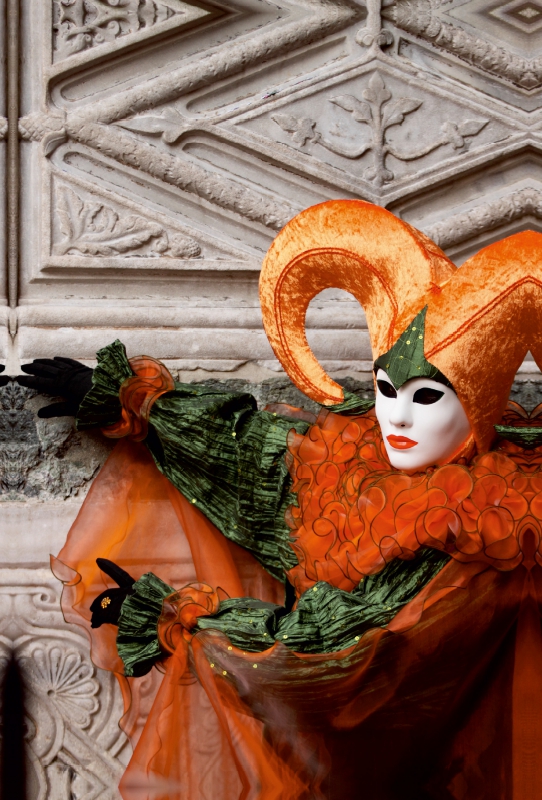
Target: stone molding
[(487, 217)]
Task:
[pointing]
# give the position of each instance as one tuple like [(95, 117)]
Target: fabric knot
[(180, 612)]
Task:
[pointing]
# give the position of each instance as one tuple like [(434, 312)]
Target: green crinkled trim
[(218, 450), (406, 359), (137, 641), (326, 619), (101, 405), (228, 459)]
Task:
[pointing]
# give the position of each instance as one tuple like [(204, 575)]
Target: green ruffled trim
[(218, 450), (101, 405), (326, 619), (526, 437), (228, 459), (352, 405), (137, 640)]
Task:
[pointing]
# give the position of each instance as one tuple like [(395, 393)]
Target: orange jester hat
[(445, 701)]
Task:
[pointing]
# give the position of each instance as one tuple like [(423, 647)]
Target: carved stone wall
[(161, 144)]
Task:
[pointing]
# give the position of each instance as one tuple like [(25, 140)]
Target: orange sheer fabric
[(135, 517), (445, 702), (137, 396), (447, 705)]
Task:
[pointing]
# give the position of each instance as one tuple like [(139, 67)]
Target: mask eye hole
[(426, 396), (386, 389)]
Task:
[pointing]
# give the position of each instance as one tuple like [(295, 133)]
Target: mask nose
[(401, 414)]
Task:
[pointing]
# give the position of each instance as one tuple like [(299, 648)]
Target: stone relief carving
[(40, 126), (66, 678), (380, 111), (92, 228), (76, 750), (170, 124), (85, 25), (81, 24), (373, 34), (217, 189), (3, 128)]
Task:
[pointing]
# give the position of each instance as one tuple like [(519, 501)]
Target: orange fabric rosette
[(137, 396)]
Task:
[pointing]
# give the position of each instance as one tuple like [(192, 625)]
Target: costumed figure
[(338, 605)]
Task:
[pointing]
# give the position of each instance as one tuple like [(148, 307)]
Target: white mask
[(423, 423)]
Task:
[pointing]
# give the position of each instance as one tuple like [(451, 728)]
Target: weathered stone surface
[(43, 459)]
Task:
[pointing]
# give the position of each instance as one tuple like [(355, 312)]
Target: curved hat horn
[(479, 328), (386, 264)]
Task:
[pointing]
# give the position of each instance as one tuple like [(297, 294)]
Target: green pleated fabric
[(101, 405), (218, 450), (325, 620)]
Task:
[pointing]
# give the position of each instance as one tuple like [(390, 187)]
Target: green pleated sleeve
[(325, 620), (218, 450)]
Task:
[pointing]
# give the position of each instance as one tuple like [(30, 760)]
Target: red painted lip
[(401, 442)]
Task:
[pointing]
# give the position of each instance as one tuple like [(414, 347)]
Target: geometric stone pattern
[(164, 145)]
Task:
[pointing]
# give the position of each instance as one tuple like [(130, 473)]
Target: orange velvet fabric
[(481, 321), (352, 245), (479, 328)]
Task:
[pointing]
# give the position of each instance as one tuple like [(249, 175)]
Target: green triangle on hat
[(406, 359)]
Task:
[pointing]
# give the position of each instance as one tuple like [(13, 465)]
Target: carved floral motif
[(380, 111), (93, 228), (82, 24), (67, 680), (170, 124), (75, 748)]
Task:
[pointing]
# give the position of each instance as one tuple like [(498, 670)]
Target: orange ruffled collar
[(356, 513)]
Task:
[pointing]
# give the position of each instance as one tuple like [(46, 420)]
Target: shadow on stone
[(12, 739)]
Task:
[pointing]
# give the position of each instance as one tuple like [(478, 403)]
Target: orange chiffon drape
[(444, 703)]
